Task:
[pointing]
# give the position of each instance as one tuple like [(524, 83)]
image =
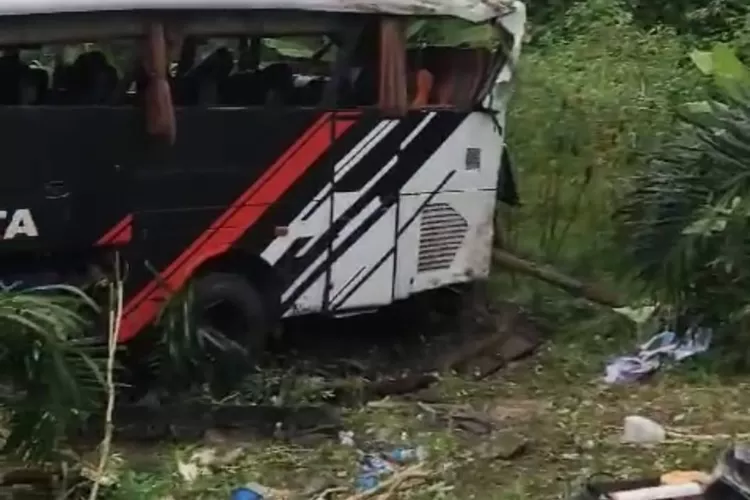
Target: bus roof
[(470, 10)]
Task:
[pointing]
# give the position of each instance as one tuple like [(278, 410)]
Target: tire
[(233, 322)]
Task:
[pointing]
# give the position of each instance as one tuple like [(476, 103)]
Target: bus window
[(453, 63), (262, 71), (68, 74)]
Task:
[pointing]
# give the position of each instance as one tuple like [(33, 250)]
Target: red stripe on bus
[(120, 233)]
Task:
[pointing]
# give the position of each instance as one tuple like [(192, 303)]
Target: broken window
[(453, 63)]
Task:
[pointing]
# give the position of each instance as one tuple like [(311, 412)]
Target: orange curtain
[(459, 75), (392, 88), (160, 117), (423, 88)]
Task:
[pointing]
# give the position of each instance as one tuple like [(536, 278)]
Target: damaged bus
[(279, 158)]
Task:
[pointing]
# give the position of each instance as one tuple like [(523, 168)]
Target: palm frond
[(684, 224), (51, 362)]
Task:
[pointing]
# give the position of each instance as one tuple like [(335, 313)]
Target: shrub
[(686, 224)]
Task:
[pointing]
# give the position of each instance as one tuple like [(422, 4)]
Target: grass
[(555, 400)]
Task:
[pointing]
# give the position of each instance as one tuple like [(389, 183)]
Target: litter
[(642, 430), (372, 469), (375, 466), (645, 489), (666, 344), (245, 494)]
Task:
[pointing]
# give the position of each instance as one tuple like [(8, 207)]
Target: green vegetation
[(599, 93), (48, 370)]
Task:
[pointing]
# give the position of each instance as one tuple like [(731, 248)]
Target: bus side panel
[(366, 206), (447, 210)]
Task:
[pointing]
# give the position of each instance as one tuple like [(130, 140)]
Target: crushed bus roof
[(470, 10)]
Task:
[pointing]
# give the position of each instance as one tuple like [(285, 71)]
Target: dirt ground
[(554, 422)]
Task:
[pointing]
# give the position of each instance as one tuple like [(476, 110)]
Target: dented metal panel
[(471, 10), (515, 24)]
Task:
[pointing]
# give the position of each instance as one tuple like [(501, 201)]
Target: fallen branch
[(325, 494), (550, 275)]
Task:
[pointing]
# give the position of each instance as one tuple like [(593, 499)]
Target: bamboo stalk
[(115, 319), (554, 277)]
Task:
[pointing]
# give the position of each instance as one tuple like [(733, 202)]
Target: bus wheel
[(233, 324)]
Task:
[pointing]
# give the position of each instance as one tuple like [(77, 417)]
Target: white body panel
[(439, 232)]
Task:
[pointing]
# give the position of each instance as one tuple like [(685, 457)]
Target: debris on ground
[(690, 487), (641, 430), (730, 481), (373, 467), (400, 479), (510, 336), (255, 491), (650, 355), (731, 475), (245, 493)]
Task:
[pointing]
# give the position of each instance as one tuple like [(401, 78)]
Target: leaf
[(706, 226), (727, 65), (703, 60), (639, 315), (726, 69)]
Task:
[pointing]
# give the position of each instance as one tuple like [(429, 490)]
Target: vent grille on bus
[(441, 232)]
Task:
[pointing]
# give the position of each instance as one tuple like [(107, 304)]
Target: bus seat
[(36, 85), (276, 83), (458, 73), (240, 89), (12, 73), (309, 92), (365, 86), (423, 82), (200, 84), (92, 79)]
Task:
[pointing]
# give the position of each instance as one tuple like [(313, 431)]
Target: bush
[(587, 106), (50, 372)]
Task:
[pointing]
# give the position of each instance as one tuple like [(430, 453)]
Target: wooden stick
[(550, 275)]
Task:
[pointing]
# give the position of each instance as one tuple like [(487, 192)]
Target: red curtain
[(392, 96), (160, 117)]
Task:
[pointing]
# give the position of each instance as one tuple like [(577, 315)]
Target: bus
[(278, 158)]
